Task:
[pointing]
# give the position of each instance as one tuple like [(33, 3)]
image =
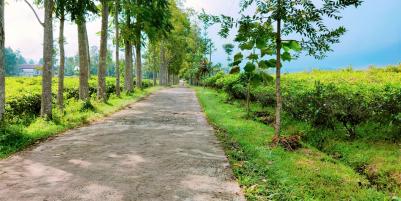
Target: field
[(348, 121), (23, 126)]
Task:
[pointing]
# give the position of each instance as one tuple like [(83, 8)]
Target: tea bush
[(327, 100), (23, 95)]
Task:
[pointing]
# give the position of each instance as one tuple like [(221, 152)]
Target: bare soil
[(161, 148)]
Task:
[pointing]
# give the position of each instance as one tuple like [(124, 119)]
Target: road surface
[(158, 149)]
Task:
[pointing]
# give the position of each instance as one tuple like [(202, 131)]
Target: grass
[(16, 137), (271, 173)]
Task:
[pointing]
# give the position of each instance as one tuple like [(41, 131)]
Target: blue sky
[(373, 36)]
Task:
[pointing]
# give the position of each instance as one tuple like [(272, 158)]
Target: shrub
[(146, 83), (265, 95), (211, 81), (386, 108), (351, 110), (24, 105), (71, 93), (315, 106), (331, 102)]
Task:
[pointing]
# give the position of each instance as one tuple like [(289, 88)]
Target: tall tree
[(152, 61), (150, 15), (83, 61), (116, 24), (61, 14), (138, 43), (46, 102), (127, 34), (79, 9), (228, 49), (46, 106), (101, 93), (163, 75), (2, 69)]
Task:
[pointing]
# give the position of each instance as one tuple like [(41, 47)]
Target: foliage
[(12, 60), (23, 98), (327, 100)]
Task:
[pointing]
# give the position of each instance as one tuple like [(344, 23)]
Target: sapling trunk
[(277, 126), (248, 97)]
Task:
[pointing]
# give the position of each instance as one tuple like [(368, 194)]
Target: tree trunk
[(138, 66), (88, 52), (154, 78), (83, 62), (2, 63), (168, 78), (46, 104), (101, 91), (60, 94), (248, 98), (128, 67), (163, 73), (279, 103), (117, 50)]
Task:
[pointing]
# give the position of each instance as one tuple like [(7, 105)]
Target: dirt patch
[(159, 149), (289, 143), (264, 117)]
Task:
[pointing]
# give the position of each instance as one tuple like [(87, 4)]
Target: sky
[(373, 34)]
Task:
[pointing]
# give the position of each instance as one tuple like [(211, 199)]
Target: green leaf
[(286, 56), (265, 64), (271, 63), (265, 76), (266, 51), (253, 57), (249, 67), (291, 45), (236, 63), (261, 43), (294, 45), (238, 58), (246, 46)]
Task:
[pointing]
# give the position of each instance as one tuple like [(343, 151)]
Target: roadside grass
[(374, 154), (16, 137), (272, 173), (379, 161)]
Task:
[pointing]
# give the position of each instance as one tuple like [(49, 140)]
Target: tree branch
[(36, 14)]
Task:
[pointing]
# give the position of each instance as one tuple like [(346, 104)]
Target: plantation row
[(24, 95), (344, 99), (352, 116)]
